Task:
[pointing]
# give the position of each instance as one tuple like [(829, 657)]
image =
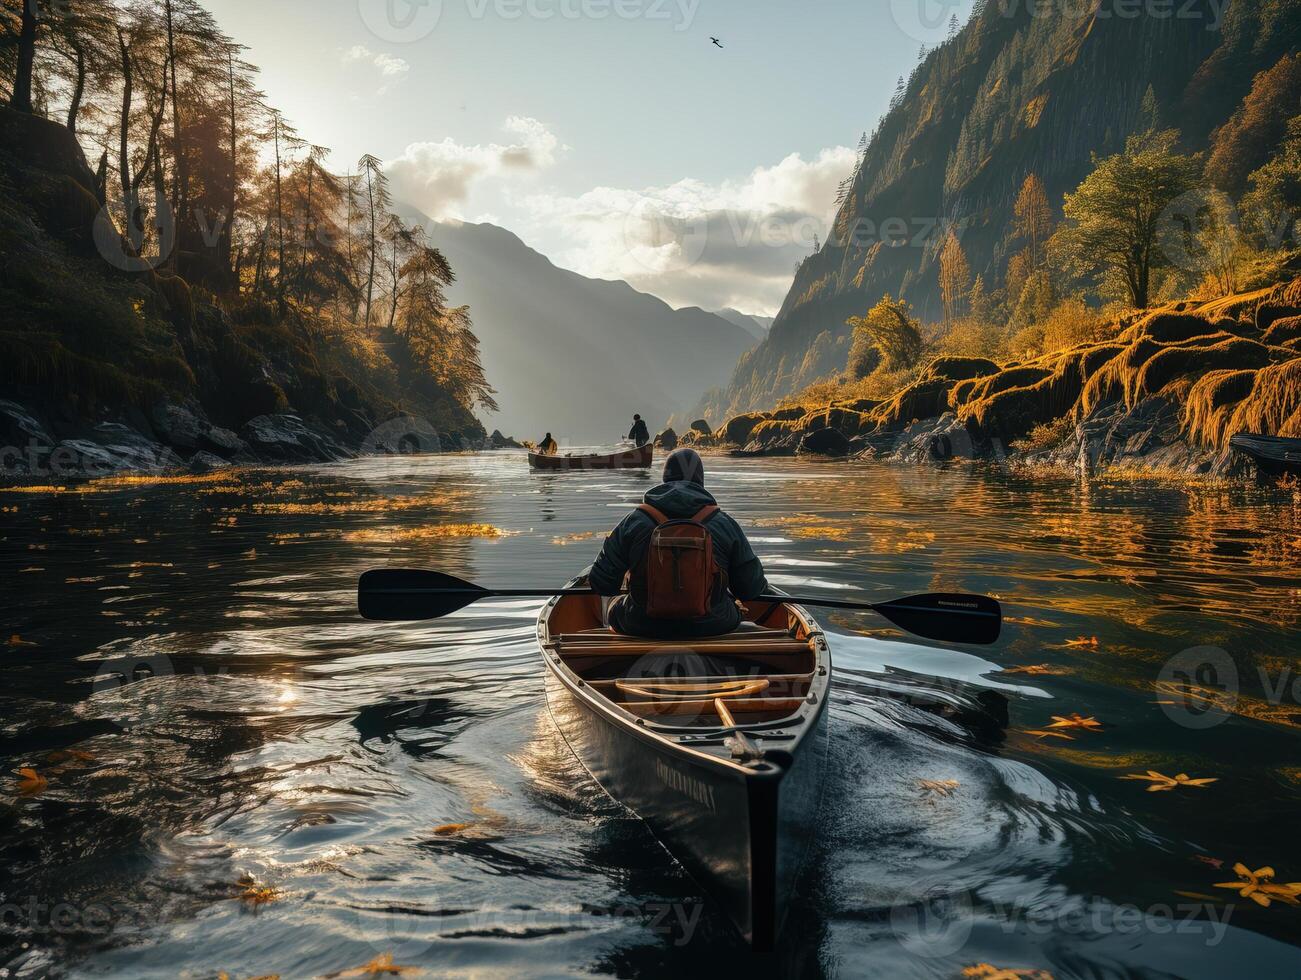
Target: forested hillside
[(963, 181), (172, 247)]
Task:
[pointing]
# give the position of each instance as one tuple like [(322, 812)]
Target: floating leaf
[(938, 787), (1162, 783), (1215, 863), (380, 966), (987, 971), (447, 829), (1089, 642), (31, 782), (18, 641), (1036, 670), (1260, 887), (255, 893), (1046, 734), (1076, 721), (64, 756)]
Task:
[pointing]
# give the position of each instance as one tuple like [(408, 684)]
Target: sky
[(611, 135)]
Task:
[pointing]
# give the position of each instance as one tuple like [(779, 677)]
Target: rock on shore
[(1164, 393)]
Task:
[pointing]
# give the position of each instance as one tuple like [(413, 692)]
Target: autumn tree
[(1114, 217), (376, 201), (888, 328), (955, 277), (1032, 217)]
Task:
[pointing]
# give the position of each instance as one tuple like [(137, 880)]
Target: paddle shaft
[(822, 602)]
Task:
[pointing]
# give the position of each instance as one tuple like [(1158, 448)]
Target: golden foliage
[(31, 782)]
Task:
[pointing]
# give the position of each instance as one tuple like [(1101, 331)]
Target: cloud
[(734, 243), (391, 68), (438, 177)]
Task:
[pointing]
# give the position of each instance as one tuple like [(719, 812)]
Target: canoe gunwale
[(684, 739)]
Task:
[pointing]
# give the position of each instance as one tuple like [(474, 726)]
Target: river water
[(229, 771)]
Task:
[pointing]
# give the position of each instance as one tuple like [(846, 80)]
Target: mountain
[(1022, 88), (578, 356), (755, 326)]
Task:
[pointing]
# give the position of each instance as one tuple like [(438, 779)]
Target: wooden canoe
[(1273, 455), (627, 459), (717, 744)]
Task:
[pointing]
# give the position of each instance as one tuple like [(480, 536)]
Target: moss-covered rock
[(959, 368), (789, 412), (737, 429), (1282, 330)]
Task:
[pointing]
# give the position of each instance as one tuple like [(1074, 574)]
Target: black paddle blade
[(949, 616), (400, 594)]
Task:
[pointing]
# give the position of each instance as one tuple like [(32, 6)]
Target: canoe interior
[(761, 673)]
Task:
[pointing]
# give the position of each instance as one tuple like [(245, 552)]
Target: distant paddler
[(547, 446)]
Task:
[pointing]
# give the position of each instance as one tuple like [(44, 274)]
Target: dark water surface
[(271, 788)]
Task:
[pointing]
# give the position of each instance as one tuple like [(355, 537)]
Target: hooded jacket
[(626, 545)]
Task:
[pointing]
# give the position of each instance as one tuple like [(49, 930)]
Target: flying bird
[(716, 41)]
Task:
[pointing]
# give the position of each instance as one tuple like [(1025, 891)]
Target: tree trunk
[(124, 129), (280, 230), (228, 235), (79, 88), (370, 279), (22, 94)]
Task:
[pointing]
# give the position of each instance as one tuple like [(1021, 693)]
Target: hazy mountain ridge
[(578, 356), (1012, 93)]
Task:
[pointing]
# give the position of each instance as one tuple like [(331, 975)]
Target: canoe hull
[(629, 459), (1273, 455), (742, 835)]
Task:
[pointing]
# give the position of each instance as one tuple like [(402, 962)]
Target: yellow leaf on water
[(1076, 721), (938, 787), (1161, 783), (987, 971), (255, 893), (380, 966), (444, 830), (1037, 670), (18, 641), (1046, 734), (31, 782)]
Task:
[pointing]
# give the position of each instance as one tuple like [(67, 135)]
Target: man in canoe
[(639, 433), (547, 447), (684, 558)]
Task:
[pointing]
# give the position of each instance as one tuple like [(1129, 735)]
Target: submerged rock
[(668, 440)]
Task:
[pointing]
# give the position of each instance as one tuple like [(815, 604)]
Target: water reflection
[(212, 723)]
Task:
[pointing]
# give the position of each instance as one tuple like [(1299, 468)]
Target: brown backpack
[(677, 575)]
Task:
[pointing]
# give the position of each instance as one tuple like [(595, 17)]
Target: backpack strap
[(655, 515), (705, 513)]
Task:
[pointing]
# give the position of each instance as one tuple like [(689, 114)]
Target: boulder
[(85, 457), (667, 440), (702, 427), (789, 413), (205, 462), (1267, 314), (737, 429), (951, 439), (824, 442), (284, 438), (20, 430)]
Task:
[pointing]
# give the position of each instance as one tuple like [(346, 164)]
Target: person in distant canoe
[(684, 558), (547, 447), (639, 433)]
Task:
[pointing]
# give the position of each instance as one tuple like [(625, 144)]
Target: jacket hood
[(679, 499)]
